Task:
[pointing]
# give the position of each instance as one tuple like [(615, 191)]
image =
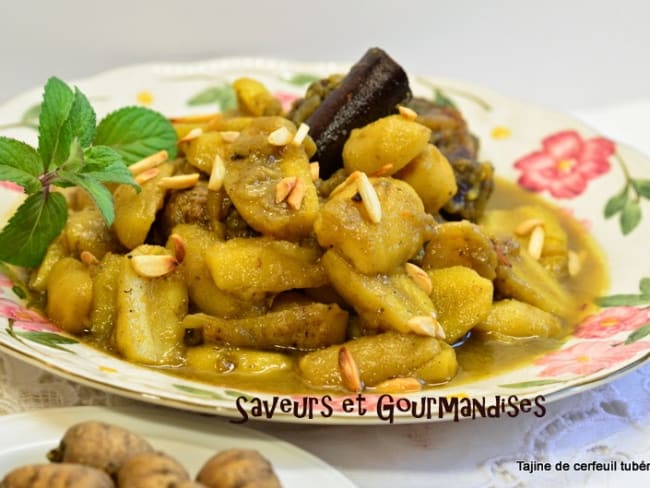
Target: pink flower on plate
[(24, 318), (588, 357), (5, 282), (565, 164), (11, 186), (286, 99), (611, 321)]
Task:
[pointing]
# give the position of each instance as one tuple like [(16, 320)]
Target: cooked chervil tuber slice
[(298, 325), (381, 357), (56, 476), (461, 244), (512, 318), (238, 468), (99, 445), (254, 169), (384, 301), (70, 295), (374, 247), (392, 140)]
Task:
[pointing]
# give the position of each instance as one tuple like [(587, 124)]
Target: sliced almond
[(178, 244), (574, 263), (350, 375), (314, 170), (149, 162), (386, 169), (284, 187), (427, 326), (180, 182), (354, 176), (536, 242), (297, 194), (421, 278), (88, 258), (398, 385), (194, 118), (146, 175), (217, 174), (280, 137), (301, 133), (369, 198), (229, 135), (191, 135), (153, 266), (527, 226), (407, 113)]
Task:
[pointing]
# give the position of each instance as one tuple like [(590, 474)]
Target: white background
[(565, 54)]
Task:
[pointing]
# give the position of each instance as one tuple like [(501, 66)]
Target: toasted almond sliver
[(149, 162), (421, 278), (536, 242), (383, 170), (314, 170), (369, 198), (180, 182), (301, 133), (280, 137), (398, 385), (88, 258), (297, 194), (574, 263), (407, 113), (427, 326), (284, 187), (194, 119), (527, 226), (178, 245), (352, 178), (153, 266), (191, 135), (146, 175), (350, 375), (217, 174), (229, 135)]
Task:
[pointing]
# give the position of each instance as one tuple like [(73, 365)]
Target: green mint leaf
[(54, 131), (223, 95), (616, 204), (97, 191), (75, 159), (638, 334), (106, 165), (630, 217), (620, 300), (20, 163), (35, 224), (644, 287), (642, 187), (136, 132), (82, 119)]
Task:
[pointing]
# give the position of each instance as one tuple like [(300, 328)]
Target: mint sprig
[(72, 151)]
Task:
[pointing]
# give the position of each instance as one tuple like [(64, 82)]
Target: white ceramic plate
[(192, 440), (547, 152)]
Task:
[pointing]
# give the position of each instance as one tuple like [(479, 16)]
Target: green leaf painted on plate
[(222, 95), (300, 79), (638, 334), (532, 384), (48, 339), (630, 217), (644, 287), (191, 390), (616, 203), (440, 98), (238, 394), (30, 116), (19, 292), (642, 187), (619, 300)]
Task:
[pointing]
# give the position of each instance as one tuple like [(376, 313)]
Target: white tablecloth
[(609, 423)]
